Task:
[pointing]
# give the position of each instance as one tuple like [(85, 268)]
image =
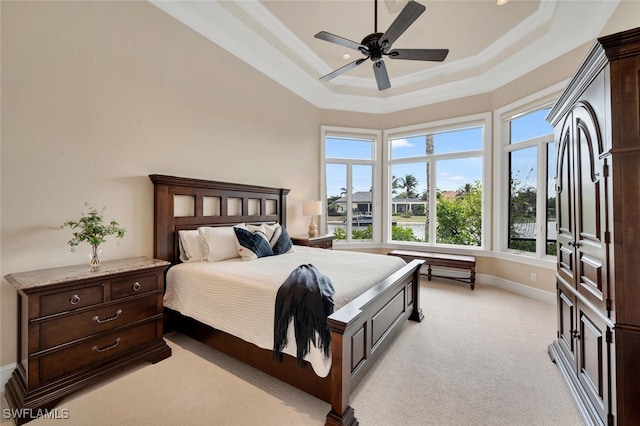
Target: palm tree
[(430, 150), (464, 190), (409, 184), (395, 184)]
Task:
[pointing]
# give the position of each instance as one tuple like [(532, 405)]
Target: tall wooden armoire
[(597, 130)]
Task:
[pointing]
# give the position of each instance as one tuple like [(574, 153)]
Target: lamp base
[(313, 229)]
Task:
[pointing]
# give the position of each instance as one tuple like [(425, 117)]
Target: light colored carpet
[(479, 357)]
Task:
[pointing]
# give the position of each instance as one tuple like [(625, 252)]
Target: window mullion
[(541, 216), (431, 167)]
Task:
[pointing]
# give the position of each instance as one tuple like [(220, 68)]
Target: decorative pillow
[(220, 242), (252, 242), (279, 239), (192, 247)]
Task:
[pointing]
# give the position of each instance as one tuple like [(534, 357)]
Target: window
[(529, 161), (350, 178), (435, 179)]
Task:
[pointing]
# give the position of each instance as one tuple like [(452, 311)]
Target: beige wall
[(97, 95)]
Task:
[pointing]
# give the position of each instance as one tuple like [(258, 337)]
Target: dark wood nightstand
[(321, 241), (76, 327)]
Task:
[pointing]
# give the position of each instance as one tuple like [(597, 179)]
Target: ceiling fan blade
[(437, 55), (343, 69), (409, 14), (382, 77), (323, 35)]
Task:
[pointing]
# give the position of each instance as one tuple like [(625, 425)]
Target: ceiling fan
[(376, 45)]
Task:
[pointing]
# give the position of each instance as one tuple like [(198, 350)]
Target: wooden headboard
[(185, 203)]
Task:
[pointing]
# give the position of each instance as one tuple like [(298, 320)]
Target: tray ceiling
[(489, 45)]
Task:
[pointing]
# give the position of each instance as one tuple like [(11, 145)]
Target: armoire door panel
[(593, 360), (564, 203), (566, 324), (591, 205), (565, 262), (591, 279), (589, 167)]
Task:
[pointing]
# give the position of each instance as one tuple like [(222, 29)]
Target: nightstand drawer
[(82, 324), (95, 351), (71, 299), (133, 285), (326, 243)]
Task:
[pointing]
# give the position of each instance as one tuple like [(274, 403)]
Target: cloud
[(401, 143)]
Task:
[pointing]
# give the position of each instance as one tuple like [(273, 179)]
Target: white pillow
[(191, 246), (261, 229), (220, 242)]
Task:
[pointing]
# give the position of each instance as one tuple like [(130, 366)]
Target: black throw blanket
[(307, 297)]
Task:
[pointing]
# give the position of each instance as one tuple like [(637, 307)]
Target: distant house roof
[(357, 197), (449, 195)]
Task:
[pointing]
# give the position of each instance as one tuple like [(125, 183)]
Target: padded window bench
[(440, 259)]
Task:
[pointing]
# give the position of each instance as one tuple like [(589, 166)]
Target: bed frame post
[(416, 312), (163, 210), (341, 414)]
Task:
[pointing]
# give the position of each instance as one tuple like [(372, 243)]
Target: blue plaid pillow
[(280, 241), (252, 245)]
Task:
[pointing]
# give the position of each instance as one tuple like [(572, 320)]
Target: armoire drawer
[(95, 351), (71, 299), (134, 285), (78, 325)]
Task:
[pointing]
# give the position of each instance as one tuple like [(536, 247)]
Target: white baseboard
[(521, 289), (512, 286), (5, 373)]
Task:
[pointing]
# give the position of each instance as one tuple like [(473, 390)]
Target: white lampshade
[(312, 208)]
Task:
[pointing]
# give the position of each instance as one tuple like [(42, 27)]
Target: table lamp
[(313, 209)]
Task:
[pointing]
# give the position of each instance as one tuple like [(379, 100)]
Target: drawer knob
[(99, 321), (106, 348), (136, 286), (74, 299)]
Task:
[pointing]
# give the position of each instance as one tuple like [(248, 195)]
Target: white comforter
[(238, 297)]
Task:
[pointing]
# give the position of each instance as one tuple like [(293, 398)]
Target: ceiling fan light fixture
[(346, 56), (501, 2)]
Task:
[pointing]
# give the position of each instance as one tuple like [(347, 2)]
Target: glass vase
[(95, 256)]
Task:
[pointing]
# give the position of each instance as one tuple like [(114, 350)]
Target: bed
[(361, 326)]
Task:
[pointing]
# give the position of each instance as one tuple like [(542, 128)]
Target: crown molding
[(575, 23)]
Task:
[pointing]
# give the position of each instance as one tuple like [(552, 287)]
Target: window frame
[(458, 123), (502, 117), (357, 133)]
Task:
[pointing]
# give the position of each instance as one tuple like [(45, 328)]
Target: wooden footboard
[(362, 329)]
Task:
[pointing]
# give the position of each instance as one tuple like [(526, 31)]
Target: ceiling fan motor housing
[(374, 49)]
